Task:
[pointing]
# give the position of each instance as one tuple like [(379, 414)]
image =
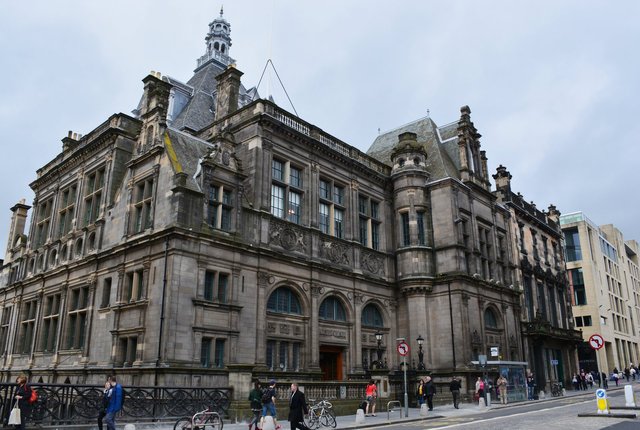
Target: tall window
[(143, 196), (528, 297), (216, 285), (534, 240), (205, 352), (286, 191), (542, 302), (50, 319), (406, 234), (219, 353), (283, 355), (572, 244), (93, 196), (371, 316), (331, 209), (134, 286), (220, 207), (66, 210), (43, 221), (27, 326), (332, 309), (128, 350), (553, 305), (421, 228), (77, 317), (576, 280), (490, 320), (369, 216), (283, 300), (106, 293), (485, 247), (4, 329)]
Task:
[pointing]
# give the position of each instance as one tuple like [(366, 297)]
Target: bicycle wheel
[(312, 420), (328, 420), (183, 423), (214, 422)]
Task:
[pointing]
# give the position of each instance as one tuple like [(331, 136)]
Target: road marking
[(510, 416)]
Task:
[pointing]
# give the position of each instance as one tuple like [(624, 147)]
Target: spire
[(217, 42)]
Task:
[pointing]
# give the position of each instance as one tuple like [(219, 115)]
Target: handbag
[(14, 418)]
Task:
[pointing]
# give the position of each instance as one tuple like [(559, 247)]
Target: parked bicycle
[(321, 414), (556, 389), (200, 421)]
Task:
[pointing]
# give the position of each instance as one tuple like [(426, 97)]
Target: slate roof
[(189, 151), (441, 145)]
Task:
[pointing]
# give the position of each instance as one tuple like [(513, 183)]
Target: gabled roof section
[(186, 152), (442, 159)]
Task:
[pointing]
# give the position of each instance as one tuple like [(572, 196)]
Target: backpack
[(267, 396), (34, 397)]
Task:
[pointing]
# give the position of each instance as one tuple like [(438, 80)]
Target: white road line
[(482, 420)]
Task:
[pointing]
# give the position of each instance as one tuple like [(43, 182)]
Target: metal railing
[(397, 407), (80, 404)]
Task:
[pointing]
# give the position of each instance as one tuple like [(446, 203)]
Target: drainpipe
[(164, 289)]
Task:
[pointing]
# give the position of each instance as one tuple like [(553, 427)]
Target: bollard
[(268, 424), (129, 427), (481, 402), (424, 410), (360, 416), (602, 402), (541, 395), (629, 397), (488, 399)]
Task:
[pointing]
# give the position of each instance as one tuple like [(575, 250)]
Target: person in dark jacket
[(105, 402), (429, 392), (297, 408), (23, 394), (114, 406), (454, 386), (255, 402)]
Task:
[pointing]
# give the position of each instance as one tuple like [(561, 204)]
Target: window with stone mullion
[(27, 326)]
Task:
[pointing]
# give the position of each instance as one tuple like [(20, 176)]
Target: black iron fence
[(80, 404)]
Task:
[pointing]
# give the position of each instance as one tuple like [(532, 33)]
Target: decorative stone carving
[(329, 332), (475, 338), (316, 290), (271, 327), (263, 278), (284, 329), (336, 252), (297, 330), (286, 236), (371, 262)]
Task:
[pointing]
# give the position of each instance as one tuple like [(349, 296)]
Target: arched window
[(490, 320), (371, 316), (332, 309), (216, 46), (223, 48), (283, 300)]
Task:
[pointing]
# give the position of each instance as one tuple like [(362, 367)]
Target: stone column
[(261, 323), (316, 290)]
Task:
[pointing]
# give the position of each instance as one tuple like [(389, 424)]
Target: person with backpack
[(269, 404), (26, 398), (115, 395), (255, 402), (105, 402)]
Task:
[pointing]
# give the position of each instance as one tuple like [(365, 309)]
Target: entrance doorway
[(331, 362)]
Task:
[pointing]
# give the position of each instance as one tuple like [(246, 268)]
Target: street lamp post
[(379, 350), (420, 341)]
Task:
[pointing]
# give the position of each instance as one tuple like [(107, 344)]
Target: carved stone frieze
[(372, 263), (286, 236), (271, 327), (475, 338), (284, 329), (336, 252)]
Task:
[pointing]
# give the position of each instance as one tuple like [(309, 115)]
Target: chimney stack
[(228, 91)]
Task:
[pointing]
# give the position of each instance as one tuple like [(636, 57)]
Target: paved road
[(557, 414)]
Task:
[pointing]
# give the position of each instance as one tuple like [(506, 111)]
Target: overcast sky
[(553, 86)]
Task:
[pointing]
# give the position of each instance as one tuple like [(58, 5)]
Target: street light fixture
[(379, 350), (420, 341)]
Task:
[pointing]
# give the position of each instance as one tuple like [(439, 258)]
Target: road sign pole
[(406, 396)]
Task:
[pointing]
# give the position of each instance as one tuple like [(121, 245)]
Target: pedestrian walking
[(269, 404), (371, 393), (480, 389), (531, 386), (105, 402), (430, 391), (255, 403), (23, 397), (115, 396), (420, 394), (455, 386), (297, 409), (502, 389)]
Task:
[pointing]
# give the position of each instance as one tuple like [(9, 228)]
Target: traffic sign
[(403, 349), (596, 341)]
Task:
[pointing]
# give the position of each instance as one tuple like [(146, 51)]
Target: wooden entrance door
[(331, 361)]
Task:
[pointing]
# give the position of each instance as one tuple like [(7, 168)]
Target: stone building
[(604, 279), (550, 341), (213, 236)]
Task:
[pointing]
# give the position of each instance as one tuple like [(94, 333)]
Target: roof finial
[(221, 11)]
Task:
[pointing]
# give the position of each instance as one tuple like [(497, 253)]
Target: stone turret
[(503, 183), (16, 229), (473, 162)]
